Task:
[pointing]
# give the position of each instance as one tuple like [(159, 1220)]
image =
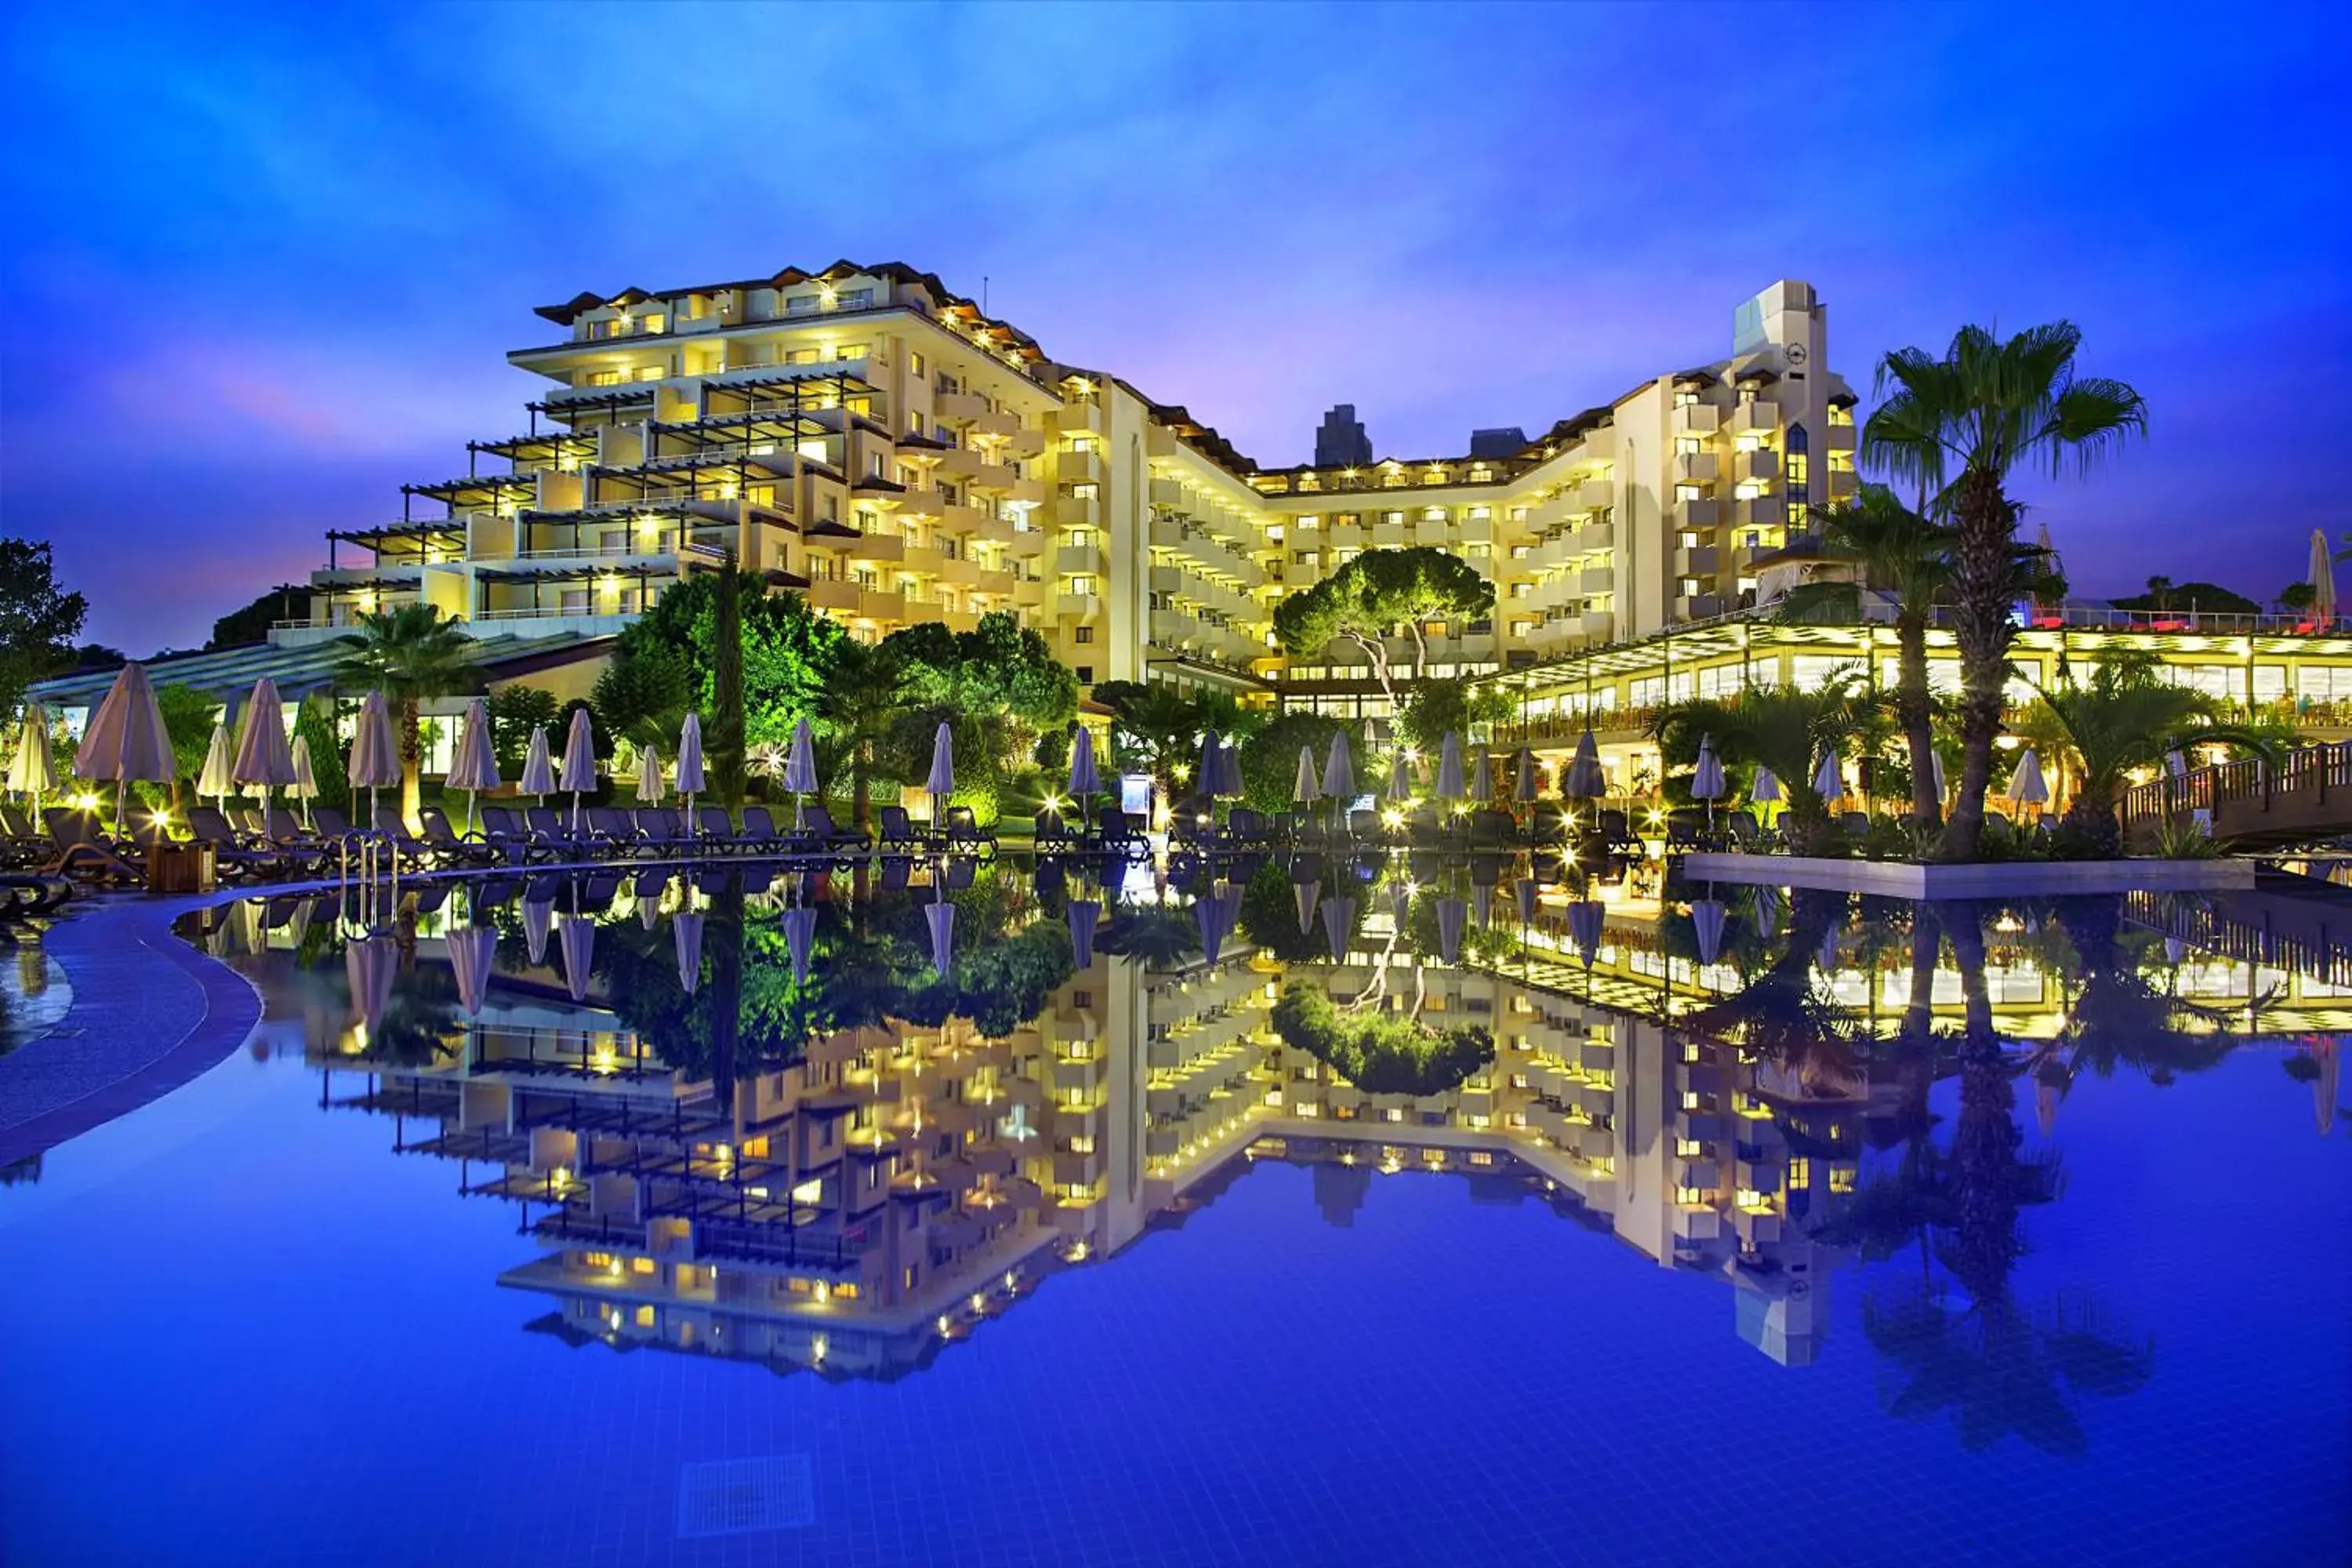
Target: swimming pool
[(752, 1217)]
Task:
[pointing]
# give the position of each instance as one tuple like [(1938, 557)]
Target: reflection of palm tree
[(1997, 1369), (1161, 936), (2117, 1016), (1781, 1015)]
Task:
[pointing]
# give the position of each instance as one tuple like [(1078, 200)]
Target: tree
[(1957, 428), (2164, 594), (1269, 758), (1366, 600), (314, 719), (515, 711), (2124, 717), (189, 716), (643, 694), (861, 703), (2298, 597), (1432, 708), (1002, 673), (1894, 550), (411, 656), (39, 620), (252, 623), (1153, 726), (1782, 728), (727, 719), (787, 649)]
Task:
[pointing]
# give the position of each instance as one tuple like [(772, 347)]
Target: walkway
[(148, 1013), (2306, 798)]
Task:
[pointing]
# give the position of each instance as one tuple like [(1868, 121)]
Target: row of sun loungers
[(248, 843)]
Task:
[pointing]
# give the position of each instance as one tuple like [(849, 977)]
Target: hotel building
[(864, 437)]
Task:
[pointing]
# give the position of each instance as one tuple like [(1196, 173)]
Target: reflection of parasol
[(1084, 914), (1450, 912), (686, 930), (1706, 924), (578, 935), (800, 929), (368, 964), (470, 948), (1339, 921)]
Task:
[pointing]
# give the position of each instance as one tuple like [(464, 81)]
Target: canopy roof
[(229, 673)]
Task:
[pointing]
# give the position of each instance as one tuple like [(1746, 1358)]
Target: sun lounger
[(82, 851), (818, 831)]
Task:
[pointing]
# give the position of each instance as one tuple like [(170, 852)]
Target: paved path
[(148, 1013)]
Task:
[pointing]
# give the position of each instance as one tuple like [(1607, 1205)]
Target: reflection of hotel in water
[(859, 1210)]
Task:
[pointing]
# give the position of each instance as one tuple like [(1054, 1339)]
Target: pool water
[(575, 1223)]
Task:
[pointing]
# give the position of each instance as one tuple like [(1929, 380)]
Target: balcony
[(1704, 512), (1086, 414), (1168, 493), (959, 407), (1389, 536), (1075, 558), (1597, 579), (1597, 625), (1699, 607), (887, 548), (1756, 511), (959, 518), (1763, 463), (1078, 606), (1592, 495), (1695, 468), (1697, 419), (1841, 435), (1755, 415), (1594, 536), (1844, 484), (1077, 511), (1075, 465), (1697, 561)]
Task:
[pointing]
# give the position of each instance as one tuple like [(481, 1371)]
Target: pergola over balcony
[(404, 543), (559, 449), (479, 492)]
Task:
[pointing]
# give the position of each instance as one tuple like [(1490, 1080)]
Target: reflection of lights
[(818, 1345)]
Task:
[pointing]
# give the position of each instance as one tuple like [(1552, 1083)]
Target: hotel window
[(1800, 1174), (1689, 1149), (1392, 517), (1684, 397), (1083, 582), (800, 304), (1085, 489), (1688, 491), (1433, 514), (915, 365), (1688, 446), (1799, 490), (849, 350), (1082, 635), (855, 300)]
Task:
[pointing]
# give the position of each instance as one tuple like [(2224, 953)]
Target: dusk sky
[(262, 268)]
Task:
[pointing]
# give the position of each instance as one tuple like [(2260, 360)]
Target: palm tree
[(1155, 725), (1958, 426), (413, 655), (862, 699), (2123, 717), (1780, 727), (1895, 550)]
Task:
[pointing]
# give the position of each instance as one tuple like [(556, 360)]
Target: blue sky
[(263, 266)]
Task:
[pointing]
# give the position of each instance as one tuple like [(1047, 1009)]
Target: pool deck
[(148, 1013)]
